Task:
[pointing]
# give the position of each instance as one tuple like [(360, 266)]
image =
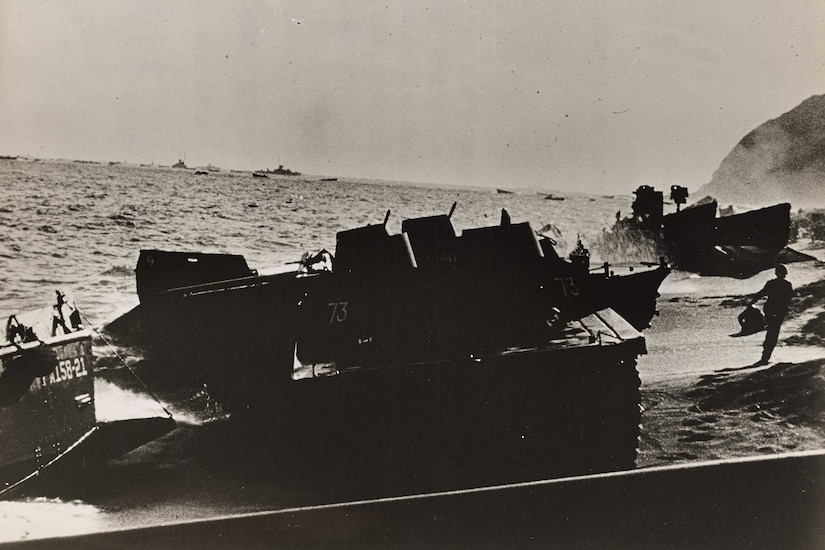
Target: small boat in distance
[(48, 425), (179, 164), (279, 171), (259, 175), (552, 197), (504, 192)]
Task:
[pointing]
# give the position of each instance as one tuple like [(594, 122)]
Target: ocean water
[(78, 227)]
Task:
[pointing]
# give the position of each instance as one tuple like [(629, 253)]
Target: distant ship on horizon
[(281, 171)]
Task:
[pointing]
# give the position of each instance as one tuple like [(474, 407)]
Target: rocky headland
[(782, 160)]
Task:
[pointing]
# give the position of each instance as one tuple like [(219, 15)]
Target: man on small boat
[(18, 332), (14, 330), (778, 292), (57, 316)]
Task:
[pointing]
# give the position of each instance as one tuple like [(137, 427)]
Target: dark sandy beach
[(703, 399)]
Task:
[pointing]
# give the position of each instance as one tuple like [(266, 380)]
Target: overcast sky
[(573, 95)]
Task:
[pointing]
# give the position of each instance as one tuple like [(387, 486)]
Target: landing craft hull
[(632, 292), (632, 295), (703, 242), (739, 245), (418, 345), (47, 405), (766, 228), (49, 431), (569, 406), (695, 239)]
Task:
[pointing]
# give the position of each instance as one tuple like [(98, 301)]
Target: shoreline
[(702, 396), (702, 400)]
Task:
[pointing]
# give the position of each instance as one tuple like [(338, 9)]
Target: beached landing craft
[(428, 350), (695, 239), (48, 427), (631, 293)]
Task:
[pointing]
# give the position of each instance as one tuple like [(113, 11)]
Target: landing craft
[(696, 239), (49, 431), (409, 351)]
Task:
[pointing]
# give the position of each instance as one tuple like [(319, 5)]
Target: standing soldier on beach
[(779, 293)]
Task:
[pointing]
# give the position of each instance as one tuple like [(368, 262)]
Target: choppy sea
[(79, 226)]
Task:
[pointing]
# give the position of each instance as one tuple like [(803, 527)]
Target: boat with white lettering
[(631, 290), (471, 347), (48, 424)]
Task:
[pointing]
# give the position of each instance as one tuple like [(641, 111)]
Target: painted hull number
[(66, 369), (338, 313), (568, 286)]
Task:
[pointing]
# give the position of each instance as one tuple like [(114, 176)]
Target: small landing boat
[(48, 426)]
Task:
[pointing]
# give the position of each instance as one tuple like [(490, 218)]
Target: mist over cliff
[(782, 160)]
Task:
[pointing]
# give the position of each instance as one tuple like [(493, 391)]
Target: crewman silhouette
[(779, 292)]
